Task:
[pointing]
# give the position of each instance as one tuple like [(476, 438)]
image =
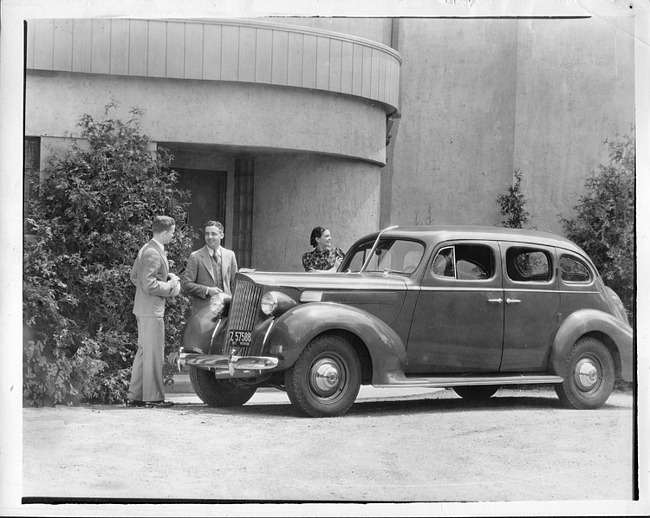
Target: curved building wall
[(292, 120), (296, 193), (214, 112)]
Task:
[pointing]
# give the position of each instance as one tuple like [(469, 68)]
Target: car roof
[(440, 233)]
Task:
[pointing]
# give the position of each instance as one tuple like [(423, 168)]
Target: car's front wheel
[(589, 375), (219, 393), (476, 393), (325, 380)]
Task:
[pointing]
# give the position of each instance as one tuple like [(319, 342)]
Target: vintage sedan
[(467, 308)]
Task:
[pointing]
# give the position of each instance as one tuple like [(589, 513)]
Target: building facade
[(348, 123)]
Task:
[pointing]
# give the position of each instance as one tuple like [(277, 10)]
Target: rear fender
[(594, 323), (296, 328)]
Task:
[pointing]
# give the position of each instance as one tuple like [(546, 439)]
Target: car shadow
[(394, 407)]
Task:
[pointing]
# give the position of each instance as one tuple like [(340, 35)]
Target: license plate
[(240, 338)]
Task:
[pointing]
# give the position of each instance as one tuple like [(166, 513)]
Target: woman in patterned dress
[(323, 257)]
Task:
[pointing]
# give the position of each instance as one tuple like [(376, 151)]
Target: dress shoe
[(158, 404), (134, 403)]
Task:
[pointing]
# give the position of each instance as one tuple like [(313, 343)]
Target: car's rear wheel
[(476, 392), (589, 375), (325, 380), (219, 393)]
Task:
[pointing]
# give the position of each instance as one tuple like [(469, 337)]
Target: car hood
[(382, 296), (326, 281)]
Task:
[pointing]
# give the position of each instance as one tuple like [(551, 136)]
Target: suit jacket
[(149, 275), (199, 276)]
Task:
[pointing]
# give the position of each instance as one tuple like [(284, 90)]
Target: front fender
[(296, 328), (198, 334), (590, 321)]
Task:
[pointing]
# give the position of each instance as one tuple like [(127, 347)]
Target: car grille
[(243, 310)]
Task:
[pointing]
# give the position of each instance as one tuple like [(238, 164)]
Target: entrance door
[(458, 321), (208, 190)]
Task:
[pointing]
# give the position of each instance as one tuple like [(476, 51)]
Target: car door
[(457, 324), (532, 305)]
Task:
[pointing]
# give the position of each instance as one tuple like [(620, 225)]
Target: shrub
[(512, 204), (94, 212), (603, 224)]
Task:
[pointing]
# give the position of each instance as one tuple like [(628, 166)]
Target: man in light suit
[(153, 282), (211, 269)]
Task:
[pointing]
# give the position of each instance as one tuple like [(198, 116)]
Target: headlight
[(269, 303), (219, 302), (276, 303)]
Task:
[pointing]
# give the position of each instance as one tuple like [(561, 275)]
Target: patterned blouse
[(321, 259)]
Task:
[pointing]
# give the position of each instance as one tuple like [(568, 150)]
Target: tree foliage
[(604, 223), (512, 204), (95, 209)]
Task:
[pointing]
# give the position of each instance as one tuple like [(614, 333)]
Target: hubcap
[(586, 374), (327, 377)]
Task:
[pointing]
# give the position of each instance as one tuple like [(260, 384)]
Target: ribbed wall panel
[(227, 50)]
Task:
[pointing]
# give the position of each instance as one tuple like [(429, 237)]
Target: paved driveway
[(432, 447)]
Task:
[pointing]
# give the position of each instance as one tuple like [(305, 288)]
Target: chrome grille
[(243, 310)]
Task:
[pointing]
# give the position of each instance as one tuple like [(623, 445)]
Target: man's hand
[(213, 291), (173, 280)]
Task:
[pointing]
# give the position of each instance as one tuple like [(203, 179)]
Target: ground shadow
[(506, 402)]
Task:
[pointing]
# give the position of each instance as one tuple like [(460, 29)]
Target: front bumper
[(223, 365)]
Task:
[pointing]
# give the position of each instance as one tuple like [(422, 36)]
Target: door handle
[(512, 301), (495, 301)]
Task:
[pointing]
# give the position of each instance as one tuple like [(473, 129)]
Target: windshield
[(392, 255)]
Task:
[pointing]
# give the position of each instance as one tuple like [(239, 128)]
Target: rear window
[(573, 270)]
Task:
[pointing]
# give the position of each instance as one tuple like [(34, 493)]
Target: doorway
[(208, 189)]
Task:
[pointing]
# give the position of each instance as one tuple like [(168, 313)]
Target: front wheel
[(589, 375), (476, 393), (325, 380), (219, 393)]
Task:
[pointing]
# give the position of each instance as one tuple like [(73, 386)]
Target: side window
[(573, 269), (394, 255), (464, 262), (443, 264), (528, 265), (358, 257)]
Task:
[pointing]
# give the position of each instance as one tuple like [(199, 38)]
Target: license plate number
[(242, 338)]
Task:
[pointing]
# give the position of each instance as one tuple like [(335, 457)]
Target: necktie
[(218, 277)]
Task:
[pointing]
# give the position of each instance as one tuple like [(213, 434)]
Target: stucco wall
[(294, 193), (575, 89), (454, 148), (213, 112), (483, 97)]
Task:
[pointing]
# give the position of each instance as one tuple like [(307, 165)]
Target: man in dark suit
[(153, 282), (211, 269)]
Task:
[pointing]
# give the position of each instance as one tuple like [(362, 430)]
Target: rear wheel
[(589, 375), (219, 393), (325, 380), (477, 392)]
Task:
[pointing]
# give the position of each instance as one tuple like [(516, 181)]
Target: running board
[(468, 381)]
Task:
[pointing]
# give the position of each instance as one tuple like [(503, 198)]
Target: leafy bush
[(512, 204), (95, 209), (604, 222)]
